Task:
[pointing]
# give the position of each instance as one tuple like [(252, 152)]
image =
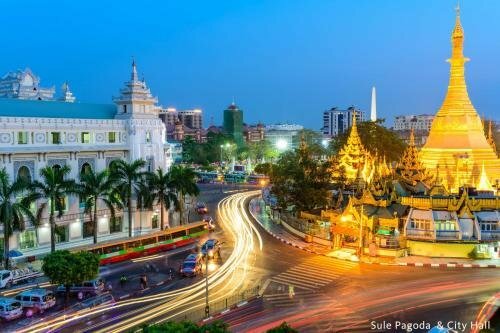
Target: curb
[(410, 264), (231, 308)]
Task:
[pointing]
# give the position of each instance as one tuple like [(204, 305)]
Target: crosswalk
[(316, 272), (300, 287)]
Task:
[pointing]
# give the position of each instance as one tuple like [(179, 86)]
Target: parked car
[(211, 248), (15, 276), (210, 223), (201, 208), (191, 265), (39, 299), (87, 288), (10, 309)]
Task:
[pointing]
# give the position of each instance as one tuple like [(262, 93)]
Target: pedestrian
[(110, 287), (123, 281), (80, 296)]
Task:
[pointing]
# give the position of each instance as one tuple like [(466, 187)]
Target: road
[(312, 293), (321, 294), (233, 276)]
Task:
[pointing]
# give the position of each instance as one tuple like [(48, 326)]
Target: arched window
[(85, 168), (24, 174)]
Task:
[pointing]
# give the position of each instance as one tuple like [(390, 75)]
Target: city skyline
[(200, 61)]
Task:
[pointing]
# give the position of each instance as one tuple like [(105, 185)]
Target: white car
[(344, 254)]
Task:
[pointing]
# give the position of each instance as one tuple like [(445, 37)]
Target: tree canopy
[(187, 327), (376, 139), (282, 328), (301, 179)]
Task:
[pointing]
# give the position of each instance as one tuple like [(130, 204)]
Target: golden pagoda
[(354, 158), (456, 144), (410, 168)]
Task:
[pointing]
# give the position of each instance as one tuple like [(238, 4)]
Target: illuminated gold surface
[(456, 145)]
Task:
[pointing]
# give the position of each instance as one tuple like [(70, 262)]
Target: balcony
[(448, 234), (490, 235), (420, 234)]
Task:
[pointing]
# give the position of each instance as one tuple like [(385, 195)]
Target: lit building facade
[(421, 122), (283, 136), (37, 133)]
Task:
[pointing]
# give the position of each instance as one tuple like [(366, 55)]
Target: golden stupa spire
[(484, 183), (412, 137)]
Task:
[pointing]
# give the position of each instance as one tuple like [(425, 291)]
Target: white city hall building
[(35, 133)]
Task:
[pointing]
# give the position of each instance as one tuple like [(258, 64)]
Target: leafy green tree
[(264, 168), (300, 179), (67, 268), (261, 151), (13, 210), (126, 177), (158, 186), (376, 139), (183, 181), (95, 187), (54, 187), (187, 327), (282, 328)]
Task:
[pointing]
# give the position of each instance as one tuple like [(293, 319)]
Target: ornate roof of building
[(55, 109)]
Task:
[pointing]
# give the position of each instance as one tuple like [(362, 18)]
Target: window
[(85, 137), (111, 137), (86, 168), (24, 174), (148, 136), (55, 137), (22, 138), (27, 239), (124, 109), (148, 241), (62, 234), (115, 224), (88, 229), (154, 221), (179, 234)]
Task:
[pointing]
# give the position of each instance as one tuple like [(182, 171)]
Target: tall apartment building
[(337, 121)]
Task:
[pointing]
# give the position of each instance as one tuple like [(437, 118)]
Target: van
[(38, 298), (87, 288), (10, 309)]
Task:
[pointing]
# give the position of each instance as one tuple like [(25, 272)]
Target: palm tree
[(95, 187), (12, 210), (126, 177), (54, 187), (159, 191), (183, 181)]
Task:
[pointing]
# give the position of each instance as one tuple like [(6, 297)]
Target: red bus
[(135, 247)]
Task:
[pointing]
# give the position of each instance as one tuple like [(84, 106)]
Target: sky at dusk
[(281, 60)]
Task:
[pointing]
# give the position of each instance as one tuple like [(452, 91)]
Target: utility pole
[(207, 308), (361, 232)]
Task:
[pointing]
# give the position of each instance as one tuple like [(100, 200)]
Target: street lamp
[(281, 144)]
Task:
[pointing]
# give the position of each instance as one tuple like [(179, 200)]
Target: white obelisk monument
[(373, 114)]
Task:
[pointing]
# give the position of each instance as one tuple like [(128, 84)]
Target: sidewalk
[(258, 211)]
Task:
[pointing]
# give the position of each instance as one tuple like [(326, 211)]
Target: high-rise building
[(337, 121), (233, 123), (457, 148)]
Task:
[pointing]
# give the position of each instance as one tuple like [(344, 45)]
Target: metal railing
[(216, 307), (448, 234), (420, 233)]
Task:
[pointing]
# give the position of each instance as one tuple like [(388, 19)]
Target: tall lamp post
[(207, 308), (361, 232)]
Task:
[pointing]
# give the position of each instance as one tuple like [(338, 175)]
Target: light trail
[(224, 282)]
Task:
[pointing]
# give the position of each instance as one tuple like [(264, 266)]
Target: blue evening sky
[(281, 60)]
